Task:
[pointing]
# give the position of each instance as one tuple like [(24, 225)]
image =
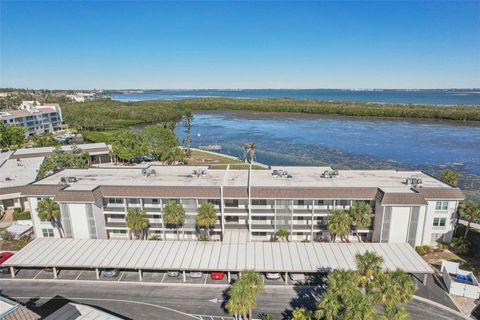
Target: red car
[(218, 275), (4, 257)]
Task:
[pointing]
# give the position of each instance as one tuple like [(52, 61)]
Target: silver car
[(173, 274), (273, 275), (110, 273), (196, 274)]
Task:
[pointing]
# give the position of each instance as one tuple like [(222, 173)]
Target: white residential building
[(36, 118), (81, 97), (408, 206)]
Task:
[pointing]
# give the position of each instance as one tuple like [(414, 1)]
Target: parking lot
[(147, 276)]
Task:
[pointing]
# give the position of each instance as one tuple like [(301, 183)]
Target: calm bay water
[(440, 97)]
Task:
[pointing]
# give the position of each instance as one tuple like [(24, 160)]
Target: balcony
[(114, 209), (115, 225)]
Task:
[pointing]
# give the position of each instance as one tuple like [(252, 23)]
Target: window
[(215, 202), (47, 233), (259, 202), (155, 201), (439, 222), (441, 206), (261, 234), (134, 201), (115, 200), (231, 203)]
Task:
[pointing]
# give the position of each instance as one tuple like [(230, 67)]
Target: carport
[(187, 256)]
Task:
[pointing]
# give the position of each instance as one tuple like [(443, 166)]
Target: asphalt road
[(174, 302)]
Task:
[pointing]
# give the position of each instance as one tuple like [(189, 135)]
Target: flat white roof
[(211, 256), (15, 173), (164, 176), (297, 177), (312, 177), (28, 151)]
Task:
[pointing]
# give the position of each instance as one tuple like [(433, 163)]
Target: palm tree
[(339, 224), (450, 176), (137, 221), (301, 314), (343, 282), (369, 264), (394, 312), (361, 216), (392, 288), (245, 148), (187, 120), (254, 282), (174, 213), (329, 307), (358, 307), (282, 234), (206, 217), (266, 316), (49, 210), (252, 147), (239, 299), (469, 210)]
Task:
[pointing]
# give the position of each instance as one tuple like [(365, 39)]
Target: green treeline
[(355, 109), (104, 113)]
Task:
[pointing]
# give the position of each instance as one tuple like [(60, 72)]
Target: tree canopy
[(361, 216), (11, 135), (45, 140), (159, 141), (60, 159), (206, 216), (450, 176), (174, 213), (128, 145), (339, 224), (137, 220)]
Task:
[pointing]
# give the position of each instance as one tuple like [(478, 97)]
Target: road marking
[(122, 301), (216, 300), (163, 277), (37, 274), (81, 272), (120, 278)]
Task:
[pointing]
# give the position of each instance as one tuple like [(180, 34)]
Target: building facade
[(36, 118), (408, 206)]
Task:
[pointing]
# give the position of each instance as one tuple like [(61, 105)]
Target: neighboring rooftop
[(92, 148), (11, 310), (19, 172), (76, 311)]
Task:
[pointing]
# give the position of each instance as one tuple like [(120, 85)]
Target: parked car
[(217, 275), (273, 275), (4, 257), (196, 275), (110, 273), (173, 274), (300, 277)]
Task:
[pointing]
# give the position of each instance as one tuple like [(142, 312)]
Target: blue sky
[(239, 44)]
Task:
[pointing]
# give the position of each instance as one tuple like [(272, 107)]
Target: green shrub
[(203, 237), (423, 250), (155, 237), (7, 236), (460, 245), (18, 214)]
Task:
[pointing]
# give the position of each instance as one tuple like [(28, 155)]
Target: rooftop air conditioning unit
[(72, 179), (63, 180)]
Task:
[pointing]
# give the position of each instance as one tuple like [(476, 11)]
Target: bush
[(460, 245), (155, 237), (203, 237), (423, 250), (7, 236), (18, 214)]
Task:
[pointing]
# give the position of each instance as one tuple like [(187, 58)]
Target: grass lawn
[(217, 161), (467, 262)]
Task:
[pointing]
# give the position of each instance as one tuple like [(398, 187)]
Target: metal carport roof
[(211, 256)]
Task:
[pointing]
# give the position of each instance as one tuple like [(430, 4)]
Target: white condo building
[(408, 206), (36, 118)]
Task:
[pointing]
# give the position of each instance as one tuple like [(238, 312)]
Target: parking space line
[(121, 276), (163, 277), (37, 274), (206, 277), (79, 275)]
